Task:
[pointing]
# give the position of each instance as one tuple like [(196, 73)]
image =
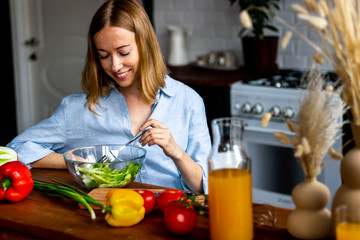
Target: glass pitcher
[(230, 194)]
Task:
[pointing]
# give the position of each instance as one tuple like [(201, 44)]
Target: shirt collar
[(169, 88)]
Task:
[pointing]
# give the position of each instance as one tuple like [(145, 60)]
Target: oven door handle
[(267, 130)]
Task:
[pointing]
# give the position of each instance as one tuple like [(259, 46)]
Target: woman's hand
[(161, 136)]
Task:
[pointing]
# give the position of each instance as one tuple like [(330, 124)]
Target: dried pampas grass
[(317, 125), (339, 43), (245, 19), (285, 40), (337, 24)]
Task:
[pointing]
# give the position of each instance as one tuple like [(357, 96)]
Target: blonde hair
[(127, 14)]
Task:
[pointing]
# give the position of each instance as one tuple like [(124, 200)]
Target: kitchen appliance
[(275, 171)]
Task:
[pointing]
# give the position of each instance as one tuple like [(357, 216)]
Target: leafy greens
[(101, 175)]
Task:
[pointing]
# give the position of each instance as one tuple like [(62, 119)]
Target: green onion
[(68, 191)]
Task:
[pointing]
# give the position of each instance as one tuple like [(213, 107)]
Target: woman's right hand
[(160, 135)]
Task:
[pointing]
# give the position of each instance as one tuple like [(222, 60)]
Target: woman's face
[(118, 54)]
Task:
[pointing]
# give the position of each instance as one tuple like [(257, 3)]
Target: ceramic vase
[(311, 219), (349, 191)]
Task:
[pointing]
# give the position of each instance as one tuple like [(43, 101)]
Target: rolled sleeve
[(41, 139), (199, 145), (29, 152)]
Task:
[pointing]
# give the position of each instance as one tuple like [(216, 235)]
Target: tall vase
[(311, 219), (349, 192)]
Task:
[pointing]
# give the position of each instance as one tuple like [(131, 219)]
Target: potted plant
[(259, 51)]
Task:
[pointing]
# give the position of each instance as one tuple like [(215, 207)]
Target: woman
[(126, 90)]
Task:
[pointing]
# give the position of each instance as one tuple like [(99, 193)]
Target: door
[(7, 96), (49, 39)]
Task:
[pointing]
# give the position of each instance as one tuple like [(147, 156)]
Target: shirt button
[(142, 171)]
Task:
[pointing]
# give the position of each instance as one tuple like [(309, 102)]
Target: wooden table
[(40, 216)]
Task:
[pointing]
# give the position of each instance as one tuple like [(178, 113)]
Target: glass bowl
[(84, 165)]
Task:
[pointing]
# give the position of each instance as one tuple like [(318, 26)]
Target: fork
[(107, 159)]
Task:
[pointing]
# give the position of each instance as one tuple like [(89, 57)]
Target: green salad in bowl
[(87, 165)]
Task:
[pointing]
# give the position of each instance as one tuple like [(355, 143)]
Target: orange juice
[(348, 231), (230, 204)]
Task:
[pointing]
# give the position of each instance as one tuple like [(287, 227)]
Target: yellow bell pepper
[(125, 208)]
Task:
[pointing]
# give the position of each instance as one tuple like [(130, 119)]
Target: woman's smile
[(122, 75)]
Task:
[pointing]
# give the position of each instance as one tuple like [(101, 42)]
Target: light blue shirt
[(72, 125)]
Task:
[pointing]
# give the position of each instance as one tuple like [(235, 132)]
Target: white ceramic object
[(178, 46)]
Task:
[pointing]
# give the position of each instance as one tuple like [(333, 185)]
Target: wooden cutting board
[(99, 194)]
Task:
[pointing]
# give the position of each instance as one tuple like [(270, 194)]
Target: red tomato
[(149, 199), (180, 219), (167, 196)]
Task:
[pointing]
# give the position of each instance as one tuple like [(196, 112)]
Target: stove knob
[(288, 112), (258, 108), (246, 107), (237, 106), (276, 111)]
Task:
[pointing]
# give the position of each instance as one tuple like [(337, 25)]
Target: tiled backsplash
[(214, 25)]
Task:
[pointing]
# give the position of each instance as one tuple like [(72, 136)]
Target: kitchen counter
[(39, 216), (194, 75)]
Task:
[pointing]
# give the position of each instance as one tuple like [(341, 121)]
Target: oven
[(275, 170)]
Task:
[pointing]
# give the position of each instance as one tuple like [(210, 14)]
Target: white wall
[(215, 24)]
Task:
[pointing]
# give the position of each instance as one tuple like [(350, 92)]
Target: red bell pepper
[(16, 181)]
